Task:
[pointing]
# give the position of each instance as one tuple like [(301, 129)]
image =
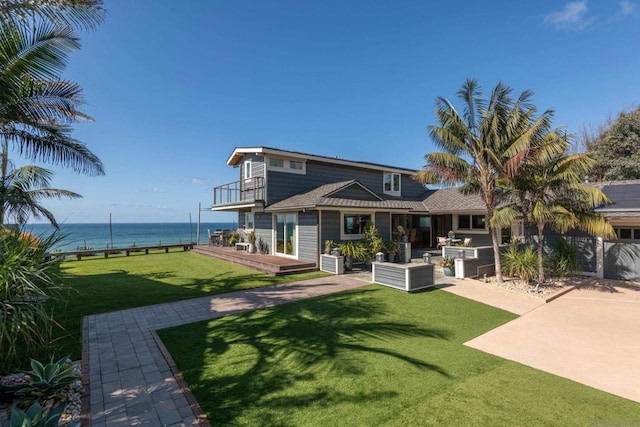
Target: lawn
[(374, 356), (98, 285)]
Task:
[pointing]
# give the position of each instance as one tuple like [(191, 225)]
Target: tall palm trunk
[(540, 255), (495, 237), (4, 166)]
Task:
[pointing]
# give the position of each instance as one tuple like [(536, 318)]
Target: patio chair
[(224, 237), (467, 241), (442, 241)]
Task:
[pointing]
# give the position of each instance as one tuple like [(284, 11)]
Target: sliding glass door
[(286, 234)]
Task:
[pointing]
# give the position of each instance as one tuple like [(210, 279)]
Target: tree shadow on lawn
[(279, 358)]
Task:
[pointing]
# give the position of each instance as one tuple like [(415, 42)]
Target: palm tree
[(550, 192), (22, 189), (72, 13), (488, 143), (37, 108)]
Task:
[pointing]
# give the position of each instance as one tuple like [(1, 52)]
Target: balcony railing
[(237, 192)]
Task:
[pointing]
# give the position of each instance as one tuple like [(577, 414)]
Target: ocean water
[(98, 236)]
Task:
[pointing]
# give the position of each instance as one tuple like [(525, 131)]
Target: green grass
[(99, 285), (374, 356)]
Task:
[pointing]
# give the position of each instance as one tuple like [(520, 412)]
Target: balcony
[(239, 194)]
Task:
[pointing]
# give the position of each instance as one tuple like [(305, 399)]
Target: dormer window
[(391, 184)]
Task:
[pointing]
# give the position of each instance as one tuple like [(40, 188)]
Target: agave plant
[(35, 416), (47, 381)]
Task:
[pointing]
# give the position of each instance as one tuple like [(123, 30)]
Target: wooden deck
[(269, 264)]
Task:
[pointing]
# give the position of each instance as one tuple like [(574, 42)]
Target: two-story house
[(295, 201)]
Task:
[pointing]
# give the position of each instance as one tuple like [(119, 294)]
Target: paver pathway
[(130, 382)]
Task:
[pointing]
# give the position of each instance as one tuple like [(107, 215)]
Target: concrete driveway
[(590, 335)]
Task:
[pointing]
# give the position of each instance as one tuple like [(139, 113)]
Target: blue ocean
[(119, 235)]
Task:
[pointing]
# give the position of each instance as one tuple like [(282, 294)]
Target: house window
[(288, 166), (471, 222), (391, 183), (276, 163), (247, 169), (628, 233), (353, 225), (248, 220)]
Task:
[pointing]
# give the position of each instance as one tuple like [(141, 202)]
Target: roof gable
[(450, 200), (354, 191)]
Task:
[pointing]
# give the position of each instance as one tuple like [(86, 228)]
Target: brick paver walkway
[(130, 382)]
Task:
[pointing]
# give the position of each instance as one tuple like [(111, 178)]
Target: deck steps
[(269, 264)]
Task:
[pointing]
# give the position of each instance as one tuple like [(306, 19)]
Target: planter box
[(407, 277), (466, 267), (332, 264), (475, 261)]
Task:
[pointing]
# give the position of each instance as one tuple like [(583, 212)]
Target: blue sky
[(174, 86)]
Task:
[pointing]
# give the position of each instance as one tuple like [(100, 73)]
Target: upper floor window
[(247, 169), (278, 163), (283, 165), (391, 183), (471, 222)]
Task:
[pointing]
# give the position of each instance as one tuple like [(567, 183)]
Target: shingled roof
[(449, 200), (328, 195)]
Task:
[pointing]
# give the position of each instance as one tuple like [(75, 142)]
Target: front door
[(286, 234)]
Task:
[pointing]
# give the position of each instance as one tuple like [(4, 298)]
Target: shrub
[(372, 240), (35, 416), (355, 250), (564, 258), (520, 263), (447, 262), (45, 382), (27, 278), (234, 238)]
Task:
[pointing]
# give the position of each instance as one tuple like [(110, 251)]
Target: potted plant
[(373, 242), (328, 244), (352, 251), (391, 248), (447, 265), (251, 238), (234, 238)]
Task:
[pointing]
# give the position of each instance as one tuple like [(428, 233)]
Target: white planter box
[(407, 277), (332, 264)]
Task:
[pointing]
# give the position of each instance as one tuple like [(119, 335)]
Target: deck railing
[(243, 191)]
